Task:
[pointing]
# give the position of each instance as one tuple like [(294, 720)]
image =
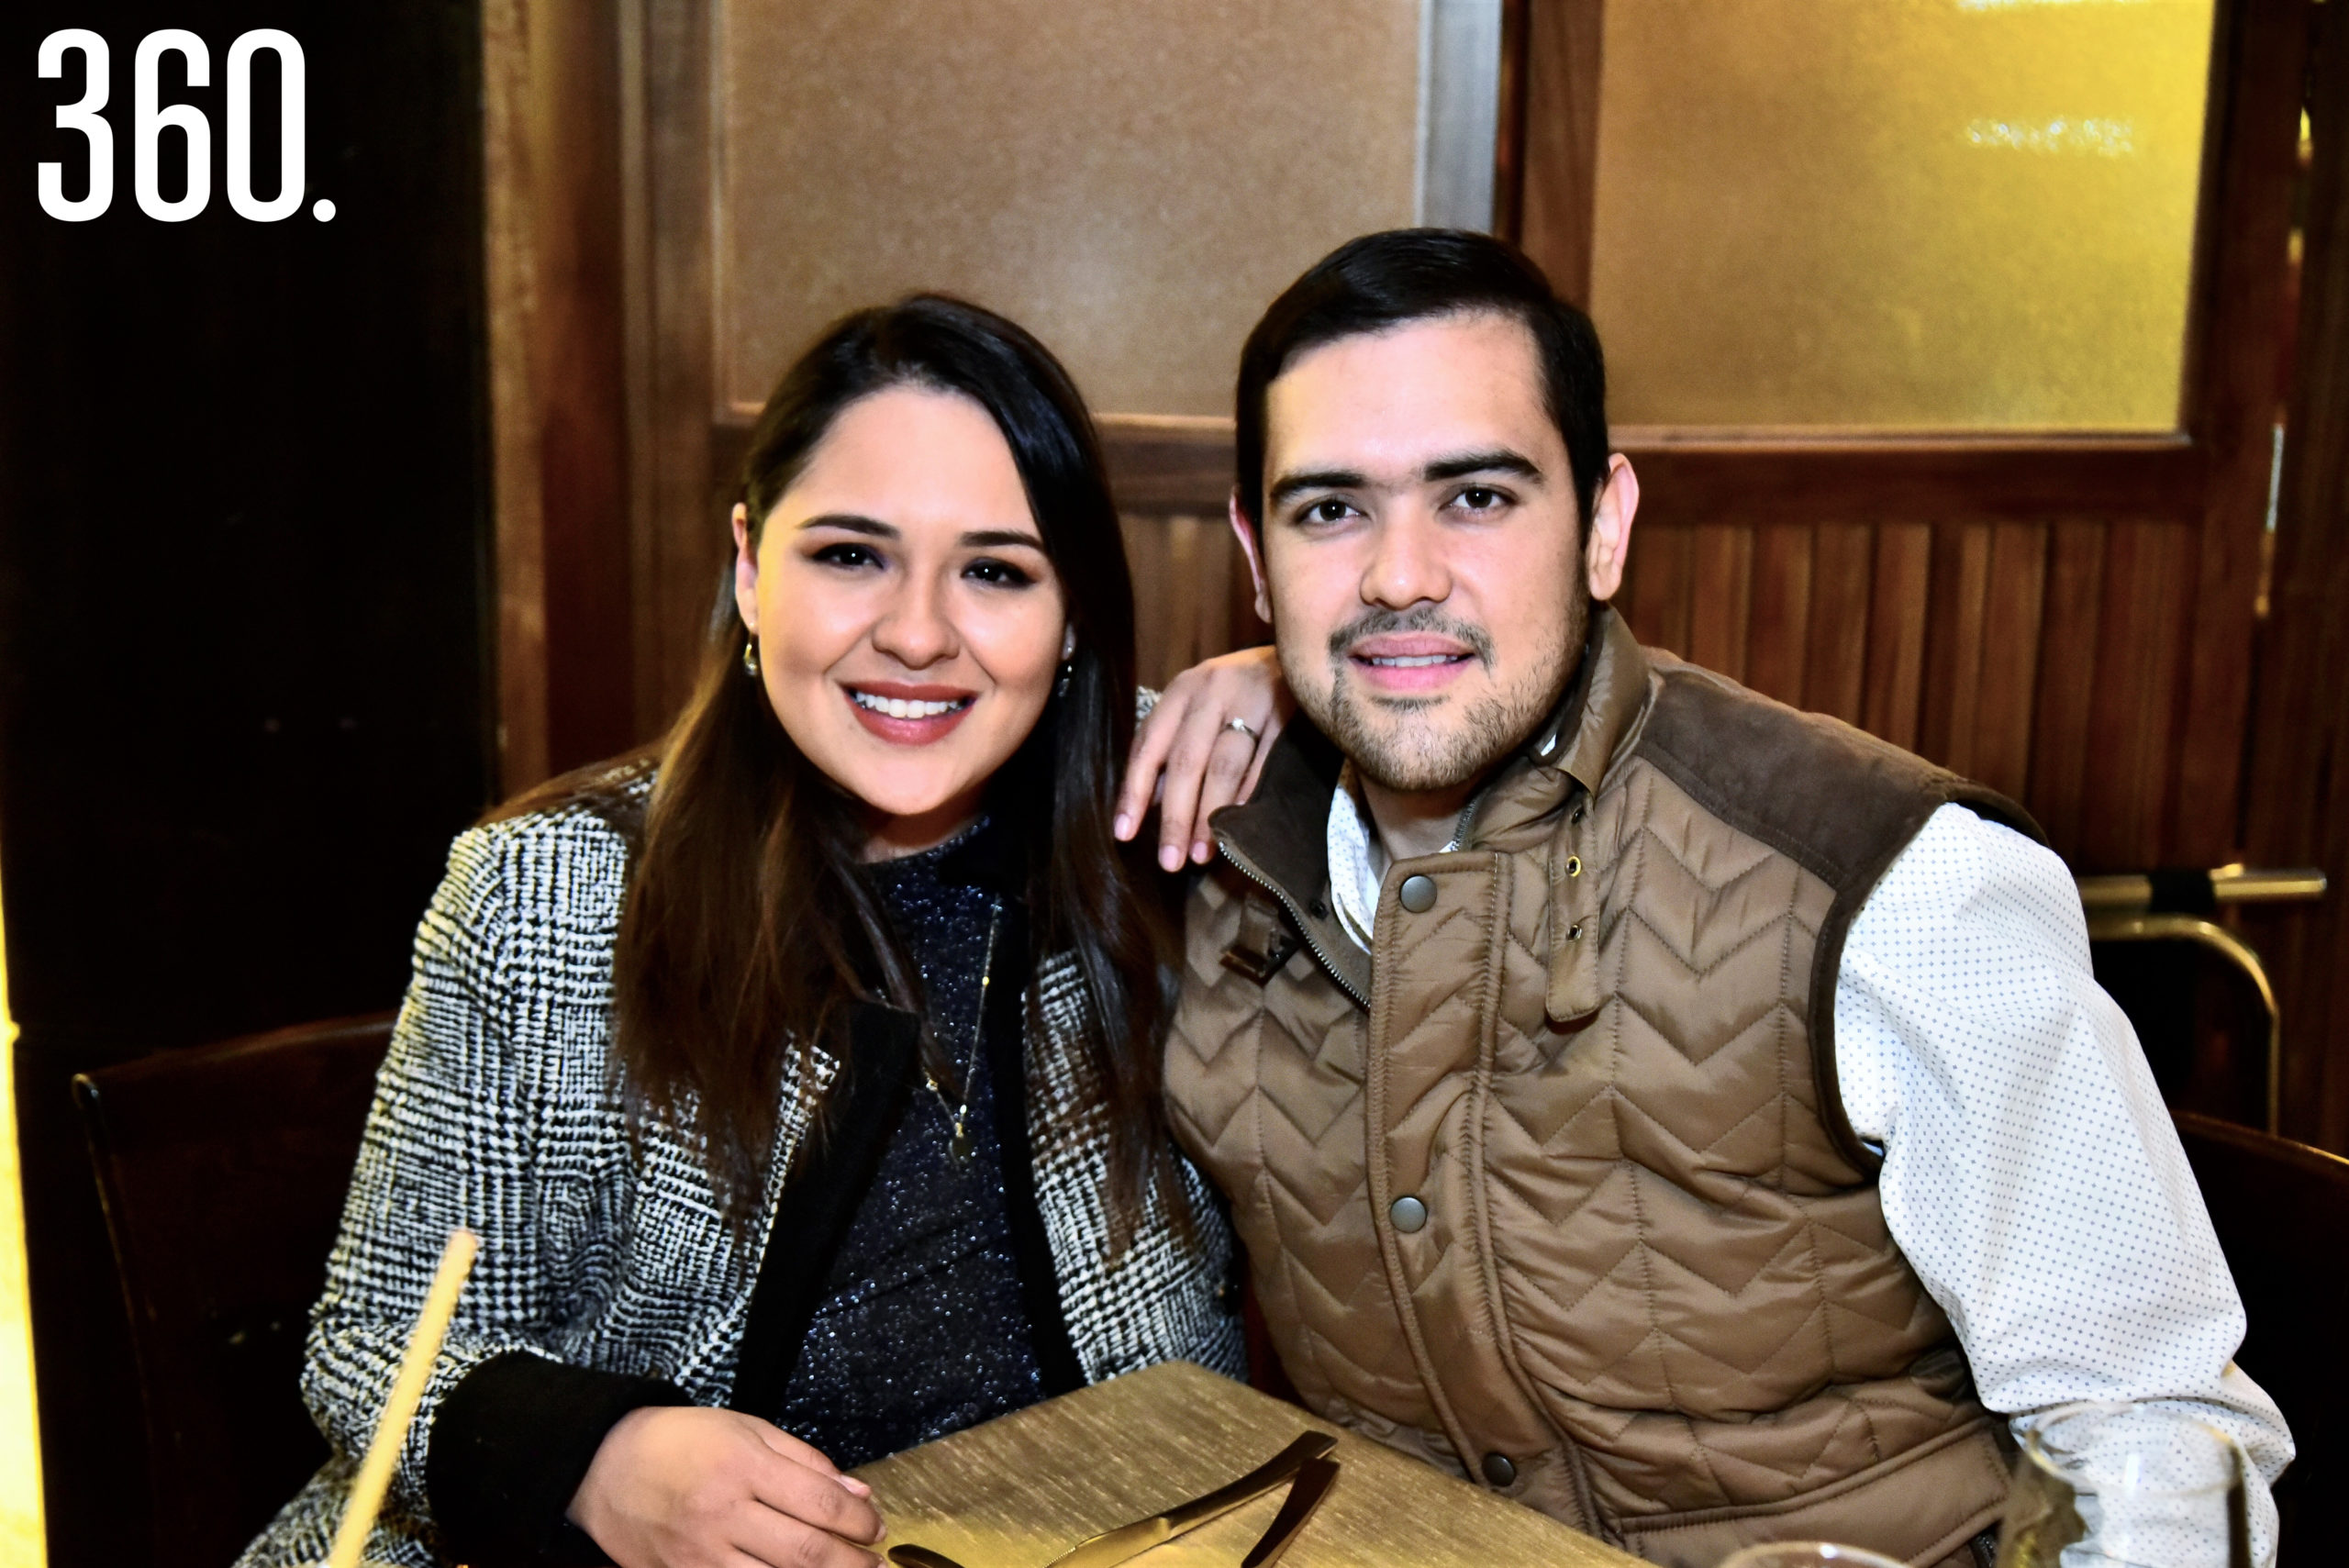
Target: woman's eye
[(1002, 573), (847, 555)]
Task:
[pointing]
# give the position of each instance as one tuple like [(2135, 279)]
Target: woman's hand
[(1208, 762), (681, 1487)]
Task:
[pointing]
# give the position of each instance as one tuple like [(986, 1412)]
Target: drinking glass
[(1809, 1554), (2155, 1488)]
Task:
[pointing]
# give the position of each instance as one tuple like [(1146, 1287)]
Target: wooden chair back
[(223, 1170), (2282, 1213)]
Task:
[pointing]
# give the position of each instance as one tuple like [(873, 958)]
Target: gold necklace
[(958, 1146)]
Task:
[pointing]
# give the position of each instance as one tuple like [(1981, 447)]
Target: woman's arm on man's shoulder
[(1199, 749)]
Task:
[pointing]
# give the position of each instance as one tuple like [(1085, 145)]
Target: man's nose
[(1407, 564), (917, 628)]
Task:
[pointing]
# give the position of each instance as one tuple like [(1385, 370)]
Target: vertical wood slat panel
[(1721, 597), (1182, 569), (2133, 712), (1993, 648), (1778, 632), (1895, 661), (2011, 619), (1560, 167), (1146, 551), (1959, 594), (1657, 596), (2066, 681), (1835, 660)]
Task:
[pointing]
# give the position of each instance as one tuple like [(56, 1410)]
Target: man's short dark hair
[(1381, 281)]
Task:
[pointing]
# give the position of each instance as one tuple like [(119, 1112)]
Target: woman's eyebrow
[(849, 522), (996, 538)]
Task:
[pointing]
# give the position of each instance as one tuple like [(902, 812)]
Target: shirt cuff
[(510, 1445)]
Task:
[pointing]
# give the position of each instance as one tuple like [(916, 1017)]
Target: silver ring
[(1241, 724)]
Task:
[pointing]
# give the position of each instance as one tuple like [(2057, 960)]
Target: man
[(1691, 1117)]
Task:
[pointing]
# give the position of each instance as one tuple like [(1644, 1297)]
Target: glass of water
[(2126, 1487)]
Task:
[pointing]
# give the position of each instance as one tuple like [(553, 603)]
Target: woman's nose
[(916, 629)]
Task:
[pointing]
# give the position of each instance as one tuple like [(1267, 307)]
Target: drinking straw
[(407, 1390)]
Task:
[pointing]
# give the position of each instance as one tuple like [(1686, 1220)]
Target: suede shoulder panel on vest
[(1833, 798)]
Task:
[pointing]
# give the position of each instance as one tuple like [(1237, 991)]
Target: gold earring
[(751, 656)]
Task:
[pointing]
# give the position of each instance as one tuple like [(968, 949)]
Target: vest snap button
[(1408, 1213), (1578, 814), (1574, 932), (1498, 1469), (1573, 865), (1416, 893)]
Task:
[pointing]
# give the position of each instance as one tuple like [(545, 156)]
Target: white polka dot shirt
[(2030, 1172)]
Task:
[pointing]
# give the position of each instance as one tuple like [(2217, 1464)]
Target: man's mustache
[(1419, 617)]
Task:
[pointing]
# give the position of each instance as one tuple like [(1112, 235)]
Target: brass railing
[(2175, 906)]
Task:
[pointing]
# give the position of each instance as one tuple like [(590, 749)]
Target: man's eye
[(1480, 498), (1001, 573), (1331, 510), (847, 555)]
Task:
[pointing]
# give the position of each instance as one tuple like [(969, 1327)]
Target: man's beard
[(1412, 754)]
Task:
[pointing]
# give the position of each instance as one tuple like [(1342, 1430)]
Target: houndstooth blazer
[(497, 1109)]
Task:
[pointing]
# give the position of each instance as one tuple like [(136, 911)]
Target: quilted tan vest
[(1553, 1188)]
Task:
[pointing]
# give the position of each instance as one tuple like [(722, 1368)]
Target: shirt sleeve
[(2031, 1173)]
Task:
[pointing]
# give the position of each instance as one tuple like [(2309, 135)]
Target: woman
[(801, 1081)]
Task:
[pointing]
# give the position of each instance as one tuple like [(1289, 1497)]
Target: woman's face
[(909, 624)]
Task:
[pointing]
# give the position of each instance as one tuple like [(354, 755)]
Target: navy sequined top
[(921, 1330)]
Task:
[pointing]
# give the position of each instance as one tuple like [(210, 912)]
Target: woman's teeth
[(906, 707)]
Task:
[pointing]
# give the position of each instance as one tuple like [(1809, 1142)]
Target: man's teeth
[(906, 707), (1413, 661)]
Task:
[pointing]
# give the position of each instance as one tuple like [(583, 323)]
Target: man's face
[(1420, 548)]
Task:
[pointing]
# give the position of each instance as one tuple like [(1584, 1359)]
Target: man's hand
[(1208, 762), (687, 1487)]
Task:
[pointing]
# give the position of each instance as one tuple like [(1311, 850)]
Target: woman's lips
[(906, 715)]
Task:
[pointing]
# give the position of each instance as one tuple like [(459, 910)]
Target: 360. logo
[(151, 118)]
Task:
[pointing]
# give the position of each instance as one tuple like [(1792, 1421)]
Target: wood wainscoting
[(2028, 643)]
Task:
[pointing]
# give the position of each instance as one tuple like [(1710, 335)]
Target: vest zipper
[(1303, 929)]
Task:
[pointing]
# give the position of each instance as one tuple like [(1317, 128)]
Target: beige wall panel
[(1133, 180)]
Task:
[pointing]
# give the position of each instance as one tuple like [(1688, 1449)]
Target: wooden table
[(1017, 1492)]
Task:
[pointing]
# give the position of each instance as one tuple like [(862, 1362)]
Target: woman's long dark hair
[(747, 931)]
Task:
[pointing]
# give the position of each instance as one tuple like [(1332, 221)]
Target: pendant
[(959, 1147)]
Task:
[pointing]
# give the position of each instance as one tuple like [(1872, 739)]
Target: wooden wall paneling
[(1657, 598), (1960, 591), (1782, 476), (2066, 681), (1164, 464), (1193, 596), (2298, 791), (1147, 547), (2013, 625), (678, 533), (2260, 59), (1182, 592), (553, 277), (1557, 174), (2134, 709), (1836, 651), (1509, 122), (1720, 596), (1896, 620), (518, 534), (1778, 627)]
